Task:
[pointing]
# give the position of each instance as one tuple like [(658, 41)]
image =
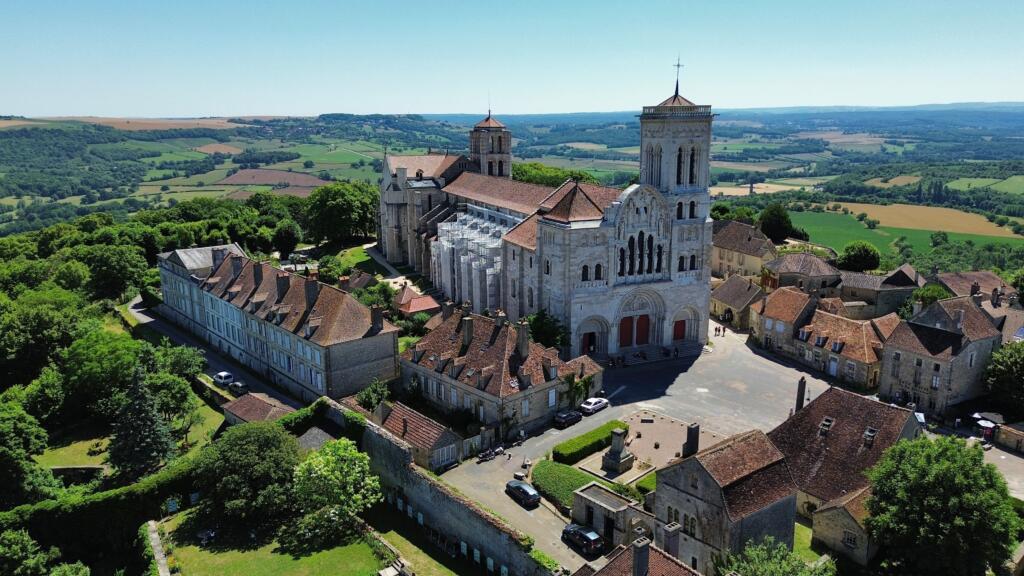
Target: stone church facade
[(627, 271)]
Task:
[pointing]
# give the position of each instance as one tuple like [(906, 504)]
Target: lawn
[(802, 543), (201, 433), (1013, 185), (355, 559), (969, 183), (414, 548), (80, 445), (647, 484), (357, 257)]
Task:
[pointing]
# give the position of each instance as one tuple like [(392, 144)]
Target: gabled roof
[(856, 339), (944, 327), (432, 165), (413, 427), (524, 234), (884, 325), (960, 283), (833, 306), (801, 263), (855, 504), (620, 563), (905, 275), (785, 304), (737, 292), (257, 407), (201, 258), (832, 464), (517, 196), (574, 206), (742, 238), (750, 470)]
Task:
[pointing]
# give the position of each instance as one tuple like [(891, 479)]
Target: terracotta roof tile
[(574, 206), (830, 465), (833, 306), (517, 196), (433, 165), (857, 338), (524, 234), (489, 122), (933, 331), (960, 282), (751, 471), (784, 304), (413, 427), (676, 100), (885, 325), (737, 292), (801, 263), (742, 238), (621, 564), (855, 503), (256, 407)]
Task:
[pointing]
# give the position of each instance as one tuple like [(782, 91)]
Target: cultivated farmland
[(901, 180), (218, 148), (271, 177), (152, 123), (929, 218)]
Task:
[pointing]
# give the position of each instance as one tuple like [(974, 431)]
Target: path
[(158, 549), (395, 278)]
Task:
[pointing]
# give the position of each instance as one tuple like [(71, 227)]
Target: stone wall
[(830, 528)]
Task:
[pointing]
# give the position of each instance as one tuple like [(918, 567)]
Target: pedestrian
[(509, 455)]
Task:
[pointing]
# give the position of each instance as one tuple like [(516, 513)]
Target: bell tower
[(490, 147), (675, 145)]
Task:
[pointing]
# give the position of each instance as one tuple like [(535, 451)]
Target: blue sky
[(221, 57)]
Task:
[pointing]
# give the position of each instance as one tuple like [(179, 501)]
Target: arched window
[(490, 168), (622, 261), (501, 167), (649, 164), (632, 255), (585, 275), (547, 266), (640, 250), (657, 166), (679, 211), (693, 262), (529, 296), (693, 166), (658, 266), (693, 209), (679, 166), (598, 272), (682, 264), (650, 254)]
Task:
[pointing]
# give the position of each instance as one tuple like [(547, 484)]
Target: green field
[(836, 230), (1013, 185), (969, 183), (78, 446)]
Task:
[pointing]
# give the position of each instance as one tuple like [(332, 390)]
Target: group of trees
[(537, 173)]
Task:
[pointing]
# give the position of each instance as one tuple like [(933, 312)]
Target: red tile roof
[(833, 306), (750, 470), (432, 165), (676, 100), (830, 465), (413, 427), (784, 304), (497, 191), (574, 206), (934, 331), (857, 338), (620, 563), (257, 407), (885, 325), (855, 503), (742, 238), (960, 282), (524, 234), (489, 122), (803, 263)]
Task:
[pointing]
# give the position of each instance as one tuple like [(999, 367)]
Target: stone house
[(871, 295), (831, 441), (845, 349), (409, 302), (181, 272), (775, 318), (840, 526), (937, 359), (309, 337), (803, 271), (254, 407), (434, 446), (976, 282), (614, 517), (1010, 436), (491, 369), (737, 491), (739, 248), (639, 558), (731, 301)]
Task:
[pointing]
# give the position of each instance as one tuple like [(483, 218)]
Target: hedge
[(575, 449), (557, 482)]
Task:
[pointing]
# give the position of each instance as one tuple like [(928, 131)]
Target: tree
[(308, 164), (21, 479), (98, 368), (375, 393), (114, 269), (342, 210), (72, 275), (171, 395), (537, 173), (287, 236), (546, 330), (1004, 377), (246, 475), (20, 555), (141, 441), (939, 238), (768, 558), (938, 508), (76, 569), (861, 216), (871, 223), (337, 477), (775, 223), (184, 361), (925, 296), (859, 256)]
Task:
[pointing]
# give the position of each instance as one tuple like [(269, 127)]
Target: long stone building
[(627, 271)]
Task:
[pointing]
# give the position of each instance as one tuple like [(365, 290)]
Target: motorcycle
[(485, 456)]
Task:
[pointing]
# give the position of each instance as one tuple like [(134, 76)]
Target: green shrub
[(557, 482), (647, 483), (547, 562), (575, 449)]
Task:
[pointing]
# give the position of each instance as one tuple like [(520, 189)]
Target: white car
[(592, 405), (223, 378)]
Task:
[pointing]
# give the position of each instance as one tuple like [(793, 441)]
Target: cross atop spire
[(677, 66)]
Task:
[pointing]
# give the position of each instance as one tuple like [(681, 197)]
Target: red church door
[(626, 332), (643, 330), (587, 345), (679, 330)]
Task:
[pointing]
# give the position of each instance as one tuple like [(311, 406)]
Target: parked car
[(523, 493), (567, 418), (238, 388), (223, 378), (583, 539), (592, 405)]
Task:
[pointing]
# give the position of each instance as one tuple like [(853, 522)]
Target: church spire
[(677, 66)]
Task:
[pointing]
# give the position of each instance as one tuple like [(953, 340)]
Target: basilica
[(627, 271)]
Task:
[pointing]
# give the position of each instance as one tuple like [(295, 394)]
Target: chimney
[(376, 318), (446, 309), (801, 393), (916, 308), (313, 273), (959, 319), (672, 539), (236, 266), (523, 339), (312, 291), (641, 554), (549, 373), (1012, 299), (467, 306), (467, 329), (219, 253), (917, 277), (400, 175), (500, 318), (257, 274), (692, 444), (405, 426), (975, 287), (995, 296), (282, 285), (381, 413)]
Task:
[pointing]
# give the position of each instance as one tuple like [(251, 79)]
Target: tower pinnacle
[(677, 66)]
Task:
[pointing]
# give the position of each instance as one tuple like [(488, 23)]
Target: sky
[(189, 58)]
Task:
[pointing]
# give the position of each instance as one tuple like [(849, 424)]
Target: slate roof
[(413, 427), (737, 292), (900, 279), (256, 407), (801, 263), (855, 503), (491, 362), (433, 165), (784, 304), (620, 563), (830, 465), (857, 338), (750, 470), (314, 438), (201, 258), (934, 332), (320, 313), (742, 238), (861, 280), (960, 283)]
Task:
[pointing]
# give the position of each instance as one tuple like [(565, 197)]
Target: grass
[(355, 559), (1013, 185), (201, 433), (963, 184), (557, 482), (401, 533), (406, 342), (575, 449), (802, 543), (357, 257), (647, 484), (80, 445)]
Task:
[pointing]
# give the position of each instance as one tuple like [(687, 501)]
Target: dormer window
[(826, 425), (837, 347), (819, 341), (803, 335), (869, 436)]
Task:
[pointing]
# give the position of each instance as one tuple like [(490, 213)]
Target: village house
[(489, 367), (737, 491), (840, 526), (937, 359), (409, 302), (976, 282), (803, 271), (870, 295), (731, 301), (775, 318), (739, 248), (639, 558), (434, 446), (845, 349), (613, 516), (254, 407), (309, 337)]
